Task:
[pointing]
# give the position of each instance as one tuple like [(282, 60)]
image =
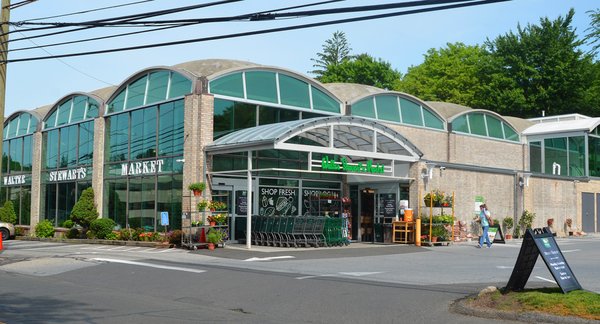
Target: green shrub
[(73, 233), (7, 213), (112, 236), (67, 224), (175, 237), (102, 227), (44, 229), (90, 234), (84, 211), (125, 234), (527, 219)]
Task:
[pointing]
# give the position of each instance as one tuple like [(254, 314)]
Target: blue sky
[(402, 40)]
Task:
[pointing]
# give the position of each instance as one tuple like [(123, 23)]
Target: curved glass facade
[(274, 88), (481, 124), (143, 176), (72, 110), (17, 148), (396, 109), (150, 88)]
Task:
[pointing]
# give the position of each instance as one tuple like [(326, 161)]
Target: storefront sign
[(16, 180), (276, 201), (388, 203), (328, 164), (141, 168), (241, 206), (67, 175)]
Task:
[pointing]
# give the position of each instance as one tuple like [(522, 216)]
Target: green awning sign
[(328, 164)]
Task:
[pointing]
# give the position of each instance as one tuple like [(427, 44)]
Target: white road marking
[(271, 258), (503, 267), (353, 274), (542, 278), (150, 265), (567, 251)]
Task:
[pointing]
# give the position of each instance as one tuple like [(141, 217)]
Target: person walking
[(485, 218)]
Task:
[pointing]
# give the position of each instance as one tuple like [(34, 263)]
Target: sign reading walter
[(16, 180), (328, 164), (541, 242)]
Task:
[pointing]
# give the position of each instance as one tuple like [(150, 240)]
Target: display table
[(403, 232)]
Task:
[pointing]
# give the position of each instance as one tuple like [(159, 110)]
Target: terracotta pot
[(213, 223), (211, 246), (197, 193), (508, 236), (434, 239)]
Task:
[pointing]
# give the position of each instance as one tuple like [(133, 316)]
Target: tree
[(450, 74), (593, 37), (7, 213), (538, 69), (363, 69), (335, 51), (84, 211)]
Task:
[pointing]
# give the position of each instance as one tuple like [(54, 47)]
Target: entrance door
[(367, 215), (587, 212)]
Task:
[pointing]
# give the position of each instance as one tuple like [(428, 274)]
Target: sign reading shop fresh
[(328, 164), (141, 168), (67, 175), (16, 180)]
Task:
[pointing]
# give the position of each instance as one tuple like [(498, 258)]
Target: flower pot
[(434, 239), (211, 246), (213, 223), (197, 193), (508, 236)]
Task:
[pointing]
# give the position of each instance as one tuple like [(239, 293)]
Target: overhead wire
[(264, 31), (89, 10)]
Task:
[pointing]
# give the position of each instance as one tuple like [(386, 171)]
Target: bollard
[(418, 232), (1, 242)]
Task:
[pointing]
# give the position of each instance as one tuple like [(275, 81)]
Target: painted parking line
[(149, 265), (340, 274)]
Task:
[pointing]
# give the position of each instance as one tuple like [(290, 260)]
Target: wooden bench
[(403, 232)]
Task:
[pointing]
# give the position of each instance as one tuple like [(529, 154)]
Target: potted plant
[(508, 225), (217, 205), (211, 220), (550, 222), (568, 224), (435, 196), (202, 205), (220, 219), (437, 232), (215, 236), (197, 188)]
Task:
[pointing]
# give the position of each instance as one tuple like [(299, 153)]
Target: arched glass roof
[(151, 87), (273, 87), (20, 124), (71, 110), (480, 123), (397, 109)]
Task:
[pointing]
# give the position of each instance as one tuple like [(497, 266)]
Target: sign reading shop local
[(328, 164)]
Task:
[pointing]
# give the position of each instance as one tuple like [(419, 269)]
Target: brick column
[(36, 179), (98, 164)]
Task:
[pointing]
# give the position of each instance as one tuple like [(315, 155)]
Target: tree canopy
[(84, 211), (363, 69), (335, 51)]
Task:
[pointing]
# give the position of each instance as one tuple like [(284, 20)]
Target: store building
[(287, 138)]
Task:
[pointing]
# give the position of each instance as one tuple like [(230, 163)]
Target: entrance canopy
[(338, 135)]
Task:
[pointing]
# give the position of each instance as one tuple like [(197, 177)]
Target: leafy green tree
[(363, 69), (335, 51), (84, 211), (450, 74), (593, 36), (539, 68), (7, 213)]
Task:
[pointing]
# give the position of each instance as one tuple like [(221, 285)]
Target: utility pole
[(3, 58)]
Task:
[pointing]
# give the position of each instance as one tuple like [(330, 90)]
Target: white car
[(7, 230)]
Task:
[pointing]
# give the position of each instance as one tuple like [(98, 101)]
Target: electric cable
[(89, 10)]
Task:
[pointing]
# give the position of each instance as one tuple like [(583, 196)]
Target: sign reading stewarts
[(541, 242)]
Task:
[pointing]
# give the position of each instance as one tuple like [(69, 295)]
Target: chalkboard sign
[(541, 242), (388, 203), (241, 204), (277, 201)]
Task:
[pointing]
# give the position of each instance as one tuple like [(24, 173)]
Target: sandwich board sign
[(541, 242)]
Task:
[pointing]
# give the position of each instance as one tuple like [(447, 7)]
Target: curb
[(461, 306), (96, 241)]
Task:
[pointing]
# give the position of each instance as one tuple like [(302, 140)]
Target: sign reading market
[(328, 164), (141, 168)]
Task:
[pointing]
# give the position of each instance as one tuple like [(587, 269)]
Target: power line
[(264, 31), (89, 10), (160, 28)]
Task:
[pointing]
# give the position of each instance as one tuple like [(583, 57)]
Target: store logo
[(139, 168), (67, 175), (331, 165), (14, 180)]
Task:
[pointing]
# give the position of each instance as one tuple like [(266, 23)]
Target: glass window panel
[(387, 108), (25, 208), (32, 125), (594, 156), (270, 115), (135, 93), (148, 202), (27, 148), (432, 120), (364, 108), (51, 145), (510, 133), (165, 130), (229, 85), (535, 156), (157, 87), (178, 118), (5, 132), (180, 85), (293, 92), (50, 203), (51, 121), (66, 200), (261, 86), (288, 115), (244, 116), (16, 155), (92, 110), (5, 153), (411, 112), (13, 127), (118, 103), (460, 124), (577, 156), (477, 124), (73, 145), (223, 117), (64, 112), (169, 199), (137, 134), (86, 143), (555, 152), (494, 127), (116, 201), (79, 104), (135, 203), (118, 137), (307, 115), (15, 197), (23, 124), (149, 141), (324, 102)]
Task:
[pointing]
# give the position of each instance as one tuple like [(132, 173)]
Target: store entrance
[(367, 215)]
